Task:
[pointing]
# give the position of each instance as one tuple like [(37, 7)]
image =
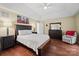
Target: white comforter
[(33, 41)]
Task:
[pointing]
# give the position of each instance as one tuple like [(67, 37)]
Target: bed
[(37, 42)]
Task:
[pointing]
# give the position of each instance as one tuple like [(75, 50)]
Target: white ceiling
[(37, 11)]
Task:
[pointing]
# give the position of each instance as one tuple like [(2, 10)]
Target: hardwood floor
[(59, 48), (17, 50), (56, 48)]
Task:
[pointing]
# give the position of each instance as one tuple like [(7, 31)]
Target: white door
[(40, 28)]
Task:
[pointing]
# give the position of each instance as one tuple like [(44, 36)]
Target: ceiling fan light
[(45, 7)]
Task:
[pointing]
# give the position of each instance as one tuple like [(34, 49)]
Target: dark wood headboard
[(22, 27)]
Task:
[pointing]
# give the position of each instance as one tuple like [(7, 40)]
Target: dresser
[(55, 34), (6, 42)]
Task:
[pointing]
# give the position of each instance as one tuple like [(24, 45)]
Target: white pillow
[(25, 32)]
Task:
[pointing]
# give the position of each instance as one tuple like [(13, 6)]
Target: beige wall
[(67, 23), (77, 22), (12, 18), (34, 24)]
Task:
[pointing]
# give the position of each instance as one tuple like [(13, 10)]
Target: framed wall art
[(22, 19)]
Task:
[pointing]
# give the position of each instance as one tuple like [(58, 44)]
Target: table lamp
[(7, 25)]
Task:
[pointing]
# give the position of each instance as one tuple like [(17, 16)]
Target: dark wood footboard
[(43, 47)]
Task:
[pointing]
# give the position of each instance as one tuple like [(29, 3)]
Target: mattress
[(33, 41)]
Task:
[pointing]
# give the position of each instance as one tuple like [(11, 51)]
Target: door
[(40, 28)]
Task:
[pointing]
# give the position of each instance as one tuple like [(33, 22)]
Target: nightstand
[(6, 42), (55, 34)]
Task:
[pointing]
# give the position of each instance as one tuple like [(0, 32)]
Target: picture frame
[(22, 19)]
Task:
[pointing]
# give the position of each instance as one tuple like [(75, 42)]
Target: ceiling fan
[(47, 5)]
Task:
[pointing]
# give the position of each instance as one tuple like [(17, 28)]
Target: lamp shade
[(7, 24)]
